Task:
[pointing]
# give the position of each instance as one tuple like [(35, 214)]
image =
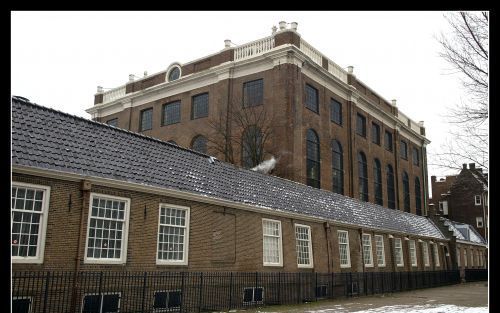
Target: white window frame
[(413, 253), (479, 222), (174, 309), (280, 244), (102, 294), (466, 261), (348, 251), (425, 252), (370, 264), (185, 253), (435, 253), (309, 243), (459, 256), (42, 230), (126, 217), (477, 200), (443, 206), (382, 249), (399, 251)]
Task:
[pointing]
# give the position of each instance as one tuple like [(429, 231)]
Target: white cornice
[(193, 197)]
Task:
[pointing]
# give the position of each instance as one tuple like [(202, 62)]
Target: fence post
[(201, 292), (46, 294), (316, 286), (231, 289), (143, 291), (279, 287), (99, 290), (182, 291)]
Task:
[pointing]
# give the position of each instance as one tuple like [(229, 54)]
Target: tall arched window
[(199, 144), (312, 156), (418, 199), (377, 181), (363, 176), (406, 192), (391, 199), (337, 168), (251, 147)]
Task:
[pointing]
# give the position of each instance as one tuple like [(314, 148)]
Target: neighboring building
[(89, 197), (464, 197), (326, 127)]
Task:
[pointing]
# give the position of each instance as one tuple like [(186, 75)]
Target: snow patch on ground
[(428, 308)]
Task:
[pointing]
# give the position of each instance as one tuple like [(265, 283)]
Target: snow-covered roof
[(464, 231), (47, 139)]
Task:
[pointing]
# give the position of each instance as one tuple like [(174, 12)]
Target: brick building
[(324, 125), (463, 197), (88, 196)]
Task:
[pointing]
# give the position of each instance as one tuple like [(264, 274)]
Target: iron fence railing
[(476, 274), (90, 292)]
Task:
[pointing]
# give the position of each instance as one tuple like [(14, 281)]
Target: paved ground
[(461, 297)]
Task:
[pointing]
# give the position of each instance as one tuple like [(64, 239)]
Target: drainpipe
[(360, 231), (326, 226)]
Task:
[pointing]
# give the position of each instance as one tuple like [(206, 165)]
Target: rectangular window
[(167, 300), (21, 304), (29, 210), (379, 244), (398, 252), (425, 252), (304, 245), (199, 106), (272, 245), (477, 200), (107, 229), (335, 111), (103, 303), (253, 93), (361, 125), (112, 122), (312, 100), (345, 253), (173, 235), (388, 141), (479, 222), (404, 150), (367, 250), (413, 253), (253, 295), (443, 206), (436, 254), (146, 122), (416, 157), (171, 113), (376, 133), (465, 258), (458, 257)]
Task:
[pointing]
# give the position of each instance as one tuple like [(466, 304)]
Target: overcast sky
[(59, 58)]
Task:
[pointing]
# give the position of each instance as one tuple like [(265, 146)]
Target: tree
[(467, 51), (246, 128)]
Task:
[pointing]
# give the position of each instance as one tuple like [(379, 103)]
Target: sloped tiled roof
[(464, 231), (47, 139)]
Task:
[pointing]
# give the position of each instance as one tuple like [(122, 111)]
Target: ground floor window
[(21, 305), (321, 291), (167, 300), (253, 295), (101, 303)]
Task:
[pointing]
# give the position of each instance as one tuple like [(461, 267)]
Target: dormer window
[(477, 200), (174, 72)]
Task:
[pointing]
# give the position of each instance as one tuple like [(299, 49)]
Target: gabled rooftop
[(47, 139), (464, 231)]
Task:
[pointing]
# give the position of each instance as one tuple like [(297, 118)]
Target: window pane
[(174, 299), (146, 119), (90, 304), (361, 125), (200, 144), (171, 236), (172, 113), (391, 199), (336, 111), (21, 305), (362, 177), (312, 159), (200, 106), (253, 93), (337, 168), (160, 300), (376, 133), (110, 303), (312, 98), (406, 192), (388, 141), (404, 150)]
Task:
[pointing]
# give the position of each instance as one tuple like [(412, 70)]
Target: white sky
[(59, 58)]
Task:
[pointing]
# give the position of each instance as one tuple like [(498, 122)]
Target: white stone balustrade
[(113, 94), (253, 48), (317, 57)]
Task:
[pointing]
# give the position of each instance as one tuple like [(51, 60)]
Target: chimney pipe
[(227, 43), (464, 166), (472, 166), (282, 25), (294, 26), (350, 69), (394, 102)]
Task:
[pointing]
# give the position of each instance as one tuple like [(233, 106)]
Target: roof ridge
[(26, 101)]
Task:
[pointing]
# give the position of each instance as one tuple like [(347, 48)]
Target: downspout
[(349, 150), (360, 231), (425, 179), (396, 168), (85, 189), (328, 250), (228, 116)]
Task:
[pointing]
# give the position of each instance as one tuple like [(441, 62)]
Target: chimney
[(350, 69), (464, 166), (100, 89), (472, 166), (131, 77), (394, 103), (282, 25), (294, 26), (227, 43), (433, 179)]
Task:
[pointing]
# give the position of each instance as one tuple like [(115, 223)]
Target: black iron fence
[(473, 274), (95, 292)]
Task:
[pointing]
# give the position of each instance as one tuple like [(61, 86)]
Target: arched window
[(391, 199), (406, 192), (418, 199), (312, 157), (199, 144), (377, 181), (251, 147), (363, 176), (337, 167)]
